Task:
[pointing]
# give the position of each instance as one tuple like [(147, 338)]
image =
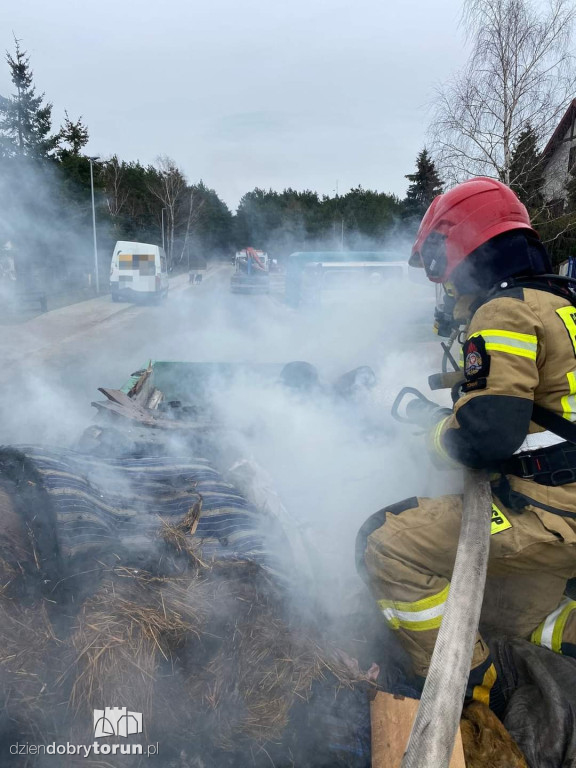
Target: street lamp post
[(96, 273)]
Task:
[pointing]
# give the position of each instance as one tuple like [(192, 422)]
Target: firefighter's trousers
[(406, 553)]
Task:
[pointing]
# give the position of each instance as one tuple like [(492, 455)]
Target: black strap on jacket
[(555, 465), (564, 287), (555, 423)]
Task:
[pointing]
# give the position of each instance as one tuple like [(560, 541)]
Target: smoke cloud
[(318, 459)]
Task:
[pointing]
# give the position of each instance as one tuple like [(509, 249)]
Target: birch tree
[(168, 187), (520, 72), (191, 210), (112, 175), (181, 203)]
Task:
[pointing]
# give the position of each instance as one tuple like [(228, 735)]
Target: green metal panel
[(191, 382)]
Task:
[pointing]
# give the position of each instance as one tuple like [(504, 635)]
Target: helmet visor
[(433, 256)]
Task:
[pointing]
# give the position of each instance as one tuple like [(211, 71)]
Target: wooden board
[(137, 387), (117, 396), (146, 419), (127, 412), (391, 724)]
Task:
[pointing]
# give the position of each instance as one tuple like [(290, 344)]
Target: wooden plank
[(126, 412), (143, 417), (136, 390), (392, 719), (117, 396)]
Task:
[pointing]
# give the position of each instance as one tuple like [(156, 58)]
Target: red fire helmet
[(463, 219)]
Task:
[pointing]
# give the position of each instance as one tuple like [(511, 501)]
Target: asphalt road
[(331, 462), (52, 365)]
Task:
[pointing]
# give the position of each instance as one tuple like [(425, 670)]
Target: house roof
[(560, 131)]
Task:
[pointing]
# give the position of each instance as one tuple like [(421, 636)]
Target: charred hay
[(211, 651), (28, 646), (222, 638), (28, 641)]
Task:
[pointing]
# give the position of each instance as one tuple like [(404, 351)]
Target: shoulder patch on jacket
[(476, 359)]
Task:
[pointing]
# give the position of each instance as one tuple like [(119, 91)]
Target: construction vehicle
[(251, 272)]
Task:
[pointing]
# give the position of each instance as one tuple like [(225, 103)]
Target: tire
[(115, 298)]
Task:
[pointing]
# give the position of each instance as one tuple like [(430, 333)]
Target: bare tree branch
[(168, 186), (112, 174), (520, 72)]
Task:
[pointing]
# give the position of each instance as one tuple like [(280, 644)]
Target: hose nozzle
[(417, 409)]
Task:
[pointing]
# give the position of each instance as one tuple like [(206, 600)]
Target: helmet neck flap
[(512, 254)]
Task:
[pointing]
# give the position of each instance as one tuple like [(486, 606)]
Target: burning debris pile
[(147, 584)]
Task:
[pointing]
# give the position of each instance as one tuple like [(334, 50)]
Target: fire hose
[(437, 721)]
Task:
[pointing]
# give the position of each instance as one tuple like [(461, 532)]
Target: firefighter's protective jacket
[(520, 350)]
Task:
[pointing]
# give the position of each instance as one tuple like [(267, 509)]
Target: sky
[(309, 94)]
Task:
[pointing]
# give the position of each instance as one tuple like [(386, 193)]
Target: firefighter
[(519, 359)]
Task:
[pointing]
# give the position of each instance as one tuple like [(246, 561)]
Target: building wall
[(556, 174)]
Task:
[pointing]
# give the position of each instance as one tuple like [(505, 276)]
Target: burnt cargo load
[(141, 572)]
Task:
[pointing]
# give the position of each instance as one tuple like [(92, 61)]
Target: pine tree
[(425, 185), (526, 178), (25, 120), (74, 135)]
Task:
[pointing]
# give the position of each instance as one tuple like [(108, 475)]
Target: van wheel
[(115, 297)]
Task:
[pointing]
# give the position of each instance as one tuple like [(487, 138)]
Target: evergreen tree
[(526, 177), (213, 227), (25, 120), (282, 222), (74, 135), (424, 186)]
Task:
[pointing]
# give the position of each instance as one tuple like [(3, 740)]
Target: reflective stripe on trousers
[(550, 633), (419, 616)]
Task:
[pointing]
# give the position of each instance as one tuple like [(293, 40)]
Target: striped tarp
[(100, 506)]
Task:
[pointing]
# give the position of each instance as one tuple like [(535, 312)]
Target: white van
[(138, 271)]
